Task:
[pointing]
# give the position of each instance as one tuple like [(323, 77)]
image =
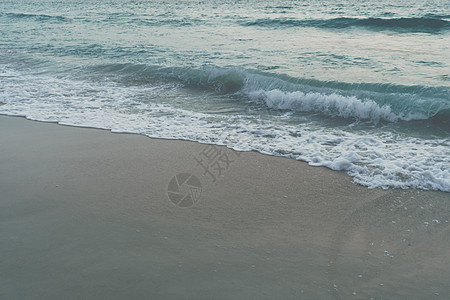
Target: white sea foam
[(330, 104), (375, 160)]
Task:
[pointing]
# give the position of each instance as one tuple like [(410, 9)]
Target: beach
[(86, 214), (259, 149)]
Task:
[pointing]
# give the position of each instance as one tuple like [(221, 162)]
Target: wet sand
[(86, 214)]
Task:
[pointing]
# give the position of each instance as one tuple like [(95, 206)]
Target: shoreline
[(87, 214), (276, 155)]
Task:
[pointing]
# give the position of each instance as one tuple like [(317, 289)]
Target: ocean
[(357, 86)]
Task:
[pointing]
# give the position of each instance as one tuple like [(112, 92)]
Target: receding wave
[(365, 101), (426, 23)]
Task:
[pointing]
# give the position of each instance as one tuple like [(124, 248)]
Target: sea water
[(358, 86)]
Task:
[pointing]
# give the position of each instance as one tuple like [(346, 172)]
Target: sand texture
[(86, 214)]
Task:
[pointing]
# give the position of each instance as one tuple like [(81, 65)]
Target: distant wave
[(38, 17), (419, 24), (166, 21), (366, 101), (113, 18)]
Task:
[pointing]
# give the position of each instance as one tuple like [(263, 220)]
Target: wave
[(36, 17), (113, 18), (114, 99), (364, 101), (167, 21), (332, 105), (429, 23)]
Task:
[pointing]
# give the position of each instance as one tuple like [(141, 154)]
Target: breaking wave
[(429, 23), (375, 102)]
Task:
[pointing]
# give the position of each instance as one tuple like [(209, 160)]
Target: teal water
[(360, 87)]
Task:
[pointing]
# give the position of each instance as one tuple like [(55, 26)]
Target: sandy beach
[(89, 214)]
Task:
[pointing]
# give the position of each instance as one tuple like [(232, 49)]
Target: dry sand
[(85, 214)]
